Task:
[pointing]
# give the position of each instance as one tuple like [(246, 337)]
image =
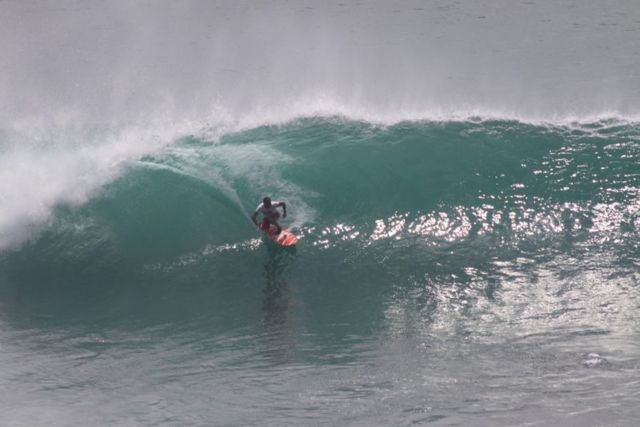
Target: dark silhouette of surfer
[(270, 214)]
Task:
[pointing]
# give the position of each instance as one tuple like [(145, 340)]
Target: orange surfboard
[(285, 238)]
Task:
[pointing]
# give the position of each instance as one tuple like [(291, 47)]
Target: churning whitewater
[(462, 176)]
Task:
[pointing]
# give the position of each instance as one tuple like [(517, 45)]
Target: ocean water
[(464, 179)]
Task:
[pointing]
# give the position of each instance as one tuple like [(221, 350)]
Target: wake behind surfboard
[(284, 238)]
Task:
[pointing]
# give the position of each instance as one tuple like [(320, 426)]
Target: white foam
[(45, 166)]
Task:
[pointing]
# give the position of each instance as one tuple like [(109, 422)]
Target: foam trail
[(255, 163)]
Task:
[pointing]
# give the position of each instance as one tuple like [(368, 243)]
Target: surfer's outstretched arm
[(254, 218), (284, 209)]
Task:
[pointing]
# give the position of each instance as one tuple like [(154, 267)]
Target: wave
[(45, 165), (483, 187)]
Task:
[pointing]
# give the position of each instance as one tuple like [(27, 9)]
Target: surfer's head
[(266, 201)]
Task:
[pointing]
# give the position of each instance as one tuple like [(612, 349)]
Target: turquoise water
[(455, 272), (463, 177)]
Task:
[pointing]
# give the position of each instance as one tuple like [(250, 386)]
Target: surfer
[(270, 214)]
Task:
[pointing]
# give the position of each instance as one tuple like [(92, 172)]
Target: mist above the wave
[(243, 60)]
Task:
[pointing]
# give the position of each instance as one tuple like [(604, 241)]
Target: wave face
[(436, 198)]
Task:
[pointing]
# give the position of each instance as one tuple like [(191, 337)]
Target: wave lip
[(45, 167), (327, 106)]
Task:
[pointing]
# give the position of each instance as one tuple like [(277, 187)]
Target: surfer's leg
[(274, 221)]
